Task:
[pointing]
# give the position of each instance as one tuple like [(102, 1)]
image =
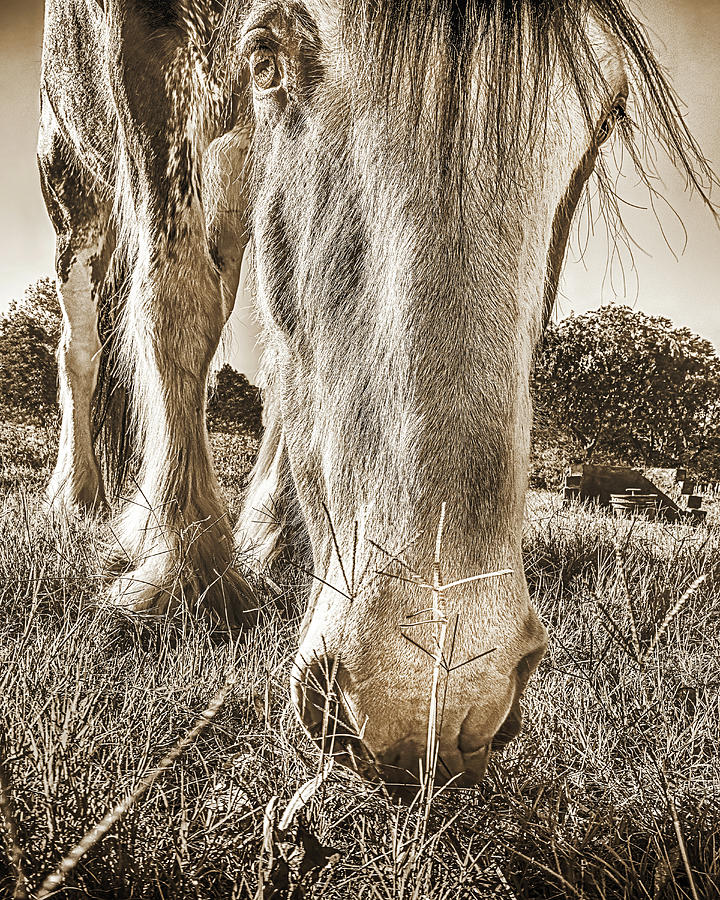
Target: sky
[(680, 281)]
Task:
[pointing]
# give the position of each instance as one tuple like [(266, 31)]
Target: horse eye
[(264, 70), (617, 114)]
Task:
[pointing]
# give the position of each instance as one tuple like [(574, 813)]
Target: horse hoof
[(67, 502), (227, 599)]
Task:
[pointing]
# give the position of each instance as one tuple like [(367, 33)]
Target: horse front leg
[(263, 518), (175, 531), (80, 218), (270, 521)]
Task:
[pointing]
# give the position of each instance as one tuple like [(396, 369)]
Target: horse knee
[(79, 359), (79, 349), (174, 333)]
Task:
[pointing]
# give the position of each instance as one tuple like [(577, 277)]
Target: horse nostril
[(527, 666), (473, 737), (468, 745), (512, 725), (475, 766), (510, 728)]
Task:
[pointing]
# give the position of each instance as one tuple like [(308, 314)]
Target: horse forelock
[(516, 48), (519, 45)]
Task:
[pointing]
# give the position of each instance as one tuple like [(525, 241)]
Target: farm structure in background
[(666, 493)]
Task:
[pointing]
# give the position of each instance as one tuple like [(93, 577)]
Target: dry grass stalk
[(440, 625), (667, 621), (438, 619), (56, 878)]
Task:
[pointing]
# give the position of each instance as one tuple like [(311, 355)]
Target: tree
[(628, 387), (234, 403), (29, 333)]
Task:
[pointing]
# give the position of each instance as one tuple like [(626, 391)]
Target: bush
[(552, 453), (234, 404)]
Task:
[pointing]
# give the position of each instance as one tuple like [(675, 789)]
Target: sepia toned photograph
[(360, 449)]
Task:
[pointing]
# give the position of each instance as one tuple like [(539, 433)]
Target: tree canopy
[(29, 333), (628, 387), (234, 403)]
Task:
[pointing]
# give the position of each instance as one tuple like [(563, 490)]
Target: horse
[(402, 177)]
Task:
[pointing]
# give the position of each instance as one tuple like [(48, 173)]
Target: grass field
[(612, 790)]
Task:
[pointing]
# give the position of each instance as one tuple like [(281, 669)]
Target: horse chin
[(467, 770)]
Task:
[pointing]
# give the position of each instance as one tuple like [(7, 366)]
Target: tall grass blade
[(56, 878)]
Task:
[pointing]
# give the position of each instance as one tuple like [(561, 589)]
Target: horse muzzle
[(390, 743)]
